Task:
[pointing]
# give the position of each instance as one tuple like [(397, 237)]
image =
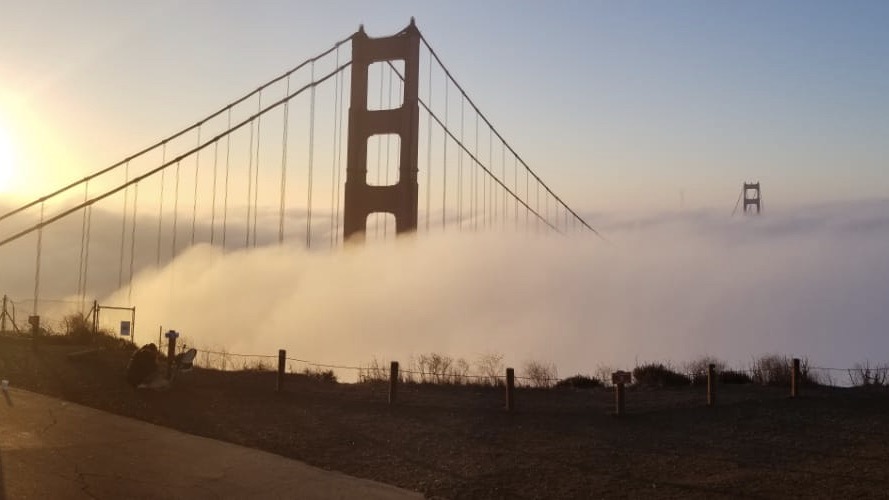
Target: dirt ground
[(458, 442)]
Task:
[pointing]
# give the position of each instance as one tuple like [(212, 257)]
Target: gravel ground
[(457, 442)]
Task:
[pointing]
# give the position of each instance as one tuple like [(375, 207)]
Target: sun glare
[(7, 156)]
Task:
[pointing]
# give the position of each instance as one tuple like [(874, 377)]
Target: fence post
[(393, 382), (619, 391), (794, 379), (95, 316), (510, 389), (171, 354), (282, 357), (711, 384)]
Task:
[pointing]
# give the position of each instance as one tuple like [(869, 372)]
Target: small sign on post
[(124, 328), (171, 336)]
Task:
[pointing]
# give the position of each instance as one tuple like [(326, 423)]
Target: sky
[(621, 106), (624, 108)]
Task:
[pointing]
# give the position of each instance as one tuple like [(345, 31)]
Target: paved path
[(54, 449)]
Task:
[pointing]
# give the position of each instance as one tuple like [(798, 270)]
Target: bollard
[(393, 382), (282, 357), (711, 384), (510, 389), (794, 379)]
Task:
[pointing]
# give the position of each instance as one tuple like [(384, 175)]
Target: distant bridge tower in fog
[(752, 198)]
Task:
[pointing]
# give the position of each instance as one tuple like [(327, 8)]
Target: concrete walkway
[(54, 449)]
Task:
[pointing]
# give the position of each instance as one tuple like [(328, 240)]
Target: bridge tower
[(400, 199), (752, 198)]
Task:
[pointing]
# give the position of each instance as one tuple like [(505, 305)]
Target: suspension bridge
[(369, 139)]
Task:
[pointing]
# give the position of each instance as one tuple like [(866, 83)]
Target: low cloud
[(670, 287)]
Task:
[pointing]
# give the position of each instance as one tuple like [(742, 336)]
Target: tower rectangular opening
[(383, 159), (385, 89)]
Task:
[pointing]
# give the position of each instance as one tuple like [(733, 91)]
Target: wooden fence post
[(393, 382), (711, 384), (619, 406), (794, 379), (171, 352), (282, 357), (510, 389)]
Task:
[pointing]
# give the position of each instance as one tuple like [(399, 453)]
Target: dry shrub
[(579, 382), (659, 375), (319, 374), (866, 375), (538, 374), (697, 368), (257, 365), (490, 367), (773, 369), (734, 377), (375, 371)]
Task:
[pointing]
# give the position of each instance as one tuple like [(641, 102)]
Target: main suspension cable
[(160, 168), (180, 133)]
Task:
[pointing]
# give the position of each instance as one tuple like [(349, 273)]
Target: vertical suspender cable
[(283, 204), (133, 244), (379, 153), (515, 188), (160, 207), (475, 169), (86, 257), (460, 168), (527, 197), (37, 267), (175, 211), (388, 150), (429, 150), (336, 114), (444, 165), (249, 184), (213, 199), (197, 170), (228, 140), (256, 170), (339, 156), (86, 189), (503, 170), (123, 225), (493, 195), (311, 160)]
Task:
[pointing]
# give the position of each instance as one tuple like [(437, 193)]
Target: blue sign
[(172, 334), (124, 328)]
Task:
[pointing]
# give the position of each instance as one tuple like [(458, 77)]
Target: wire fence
[(439, 369)]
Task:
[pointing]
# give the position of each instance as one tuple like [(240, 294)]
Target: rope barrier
[(161, 168)]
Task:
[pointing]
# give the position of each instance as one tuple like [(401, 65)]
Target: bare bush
[(375, 371), (323, 375), (538, 374), (866, 375), (257, 365), (697, 368), (436, 368), (773, 369), (603, 373), (490, 367)]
